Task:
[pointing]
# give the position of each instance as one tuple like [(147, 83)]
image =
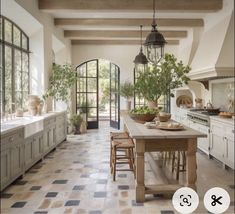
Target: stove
[(201, 117), (200, 121)]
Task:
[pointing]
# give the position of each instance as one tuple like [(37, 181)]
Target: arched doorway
[(97, 94)]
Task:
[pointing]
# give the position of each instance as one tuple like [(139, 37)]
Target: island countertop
[(140, 131)]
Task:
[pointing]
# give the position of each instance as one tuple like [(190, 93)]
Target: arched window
[(14, 66)]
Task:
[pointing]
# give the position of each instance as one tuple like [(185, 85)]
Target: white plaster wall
[(36, 63), (121, 55)]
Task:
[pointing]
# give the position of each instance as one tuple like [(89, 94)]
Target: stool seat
[(119, 135), (123, 143)]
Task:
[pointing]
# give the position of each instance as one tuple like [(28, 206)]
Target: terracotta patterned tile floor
[(75, 178)]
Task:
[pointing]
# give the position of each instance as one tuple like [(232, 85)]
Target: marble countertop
[(20, 122), (229, 121)]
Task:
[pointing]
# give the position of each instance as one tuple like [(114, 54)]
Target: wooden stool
[(179, 162), (125, 146), (116, 135)]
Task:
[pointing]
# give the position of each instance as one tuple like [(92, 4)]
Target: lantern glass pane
[(140, 67), (154, 53)]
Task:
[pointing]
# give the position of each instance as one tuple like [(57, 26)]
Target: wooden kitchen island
[(149, 140)]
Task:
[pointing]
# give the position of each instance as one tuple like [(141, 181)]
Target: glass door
[(87, 92), (114, 96)]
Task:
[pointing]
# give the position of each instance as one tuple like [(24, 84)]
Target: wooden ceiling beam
[(121, 34), (166, 5), (129, 22), (115, 42)]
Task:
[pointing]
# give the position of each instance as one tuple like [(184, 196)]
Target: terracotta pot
[(83, 128), (77, 130)]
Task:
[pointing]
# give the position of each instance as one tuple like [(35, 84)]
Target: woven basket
[(142, 118), (164, 118)]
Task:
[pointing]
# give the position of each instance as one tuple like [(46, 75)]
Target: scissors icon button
[(215, 200)]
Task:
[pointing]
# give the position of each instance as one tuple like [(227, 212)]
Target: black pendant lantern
[(154, 42), (141, 62)]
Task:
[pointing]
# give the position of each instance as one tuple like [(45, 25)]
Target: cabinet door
[(54, 135), (51, 138), (217, 147), (203, 144), (46, 137), (229, 154), (16, 160), (5, 167), (28, 152), (37, 147)]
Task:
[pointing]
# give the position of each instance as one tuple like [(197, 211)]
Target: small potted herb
[(127, 91), (76, 120)]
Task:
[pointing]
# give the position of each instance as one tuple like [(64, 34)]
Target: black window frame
[(13, 48)]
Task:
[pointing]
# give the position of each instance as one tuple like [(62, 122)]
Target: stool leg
[(173, 163), (114, 163), (184, 160), (133, 162), (178, 166), (110, 160)]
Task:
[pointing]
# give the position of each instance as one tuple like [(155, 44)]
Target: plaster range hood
[(214, 57)]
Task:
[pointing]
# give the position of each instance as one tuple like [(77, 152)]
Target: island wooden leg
[(192, 164), (140, 187)]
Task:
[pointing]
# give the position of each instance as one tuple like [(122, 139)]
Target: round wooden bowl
[(142, 118), (164, 118)]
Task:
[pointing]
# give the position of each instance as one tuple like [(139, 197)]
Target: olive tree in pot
[(127, 91), (161, 79), (76, 120), (61, 82)]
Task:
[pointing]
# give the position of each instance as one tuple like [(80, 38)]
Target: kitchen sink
[(32, 125)]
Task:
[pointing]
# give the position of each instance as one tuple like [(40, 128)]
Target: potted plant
[(161, 79), (127, 91), (61, 82), (76, 120)]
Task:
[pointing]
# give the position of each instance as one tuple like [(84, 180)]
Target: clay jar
[(33, 102), (199, 103)]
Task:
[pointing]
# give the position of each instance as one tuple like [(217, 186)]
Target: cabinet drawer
[(49, 121), (13, 137), (60, 118)]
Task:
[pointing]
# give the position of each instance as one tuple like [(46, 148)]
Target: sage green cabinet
[(11, 156), (32, 150), (61, 127), (49, 134), (17, 160), (5, 168), (18, 154)]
